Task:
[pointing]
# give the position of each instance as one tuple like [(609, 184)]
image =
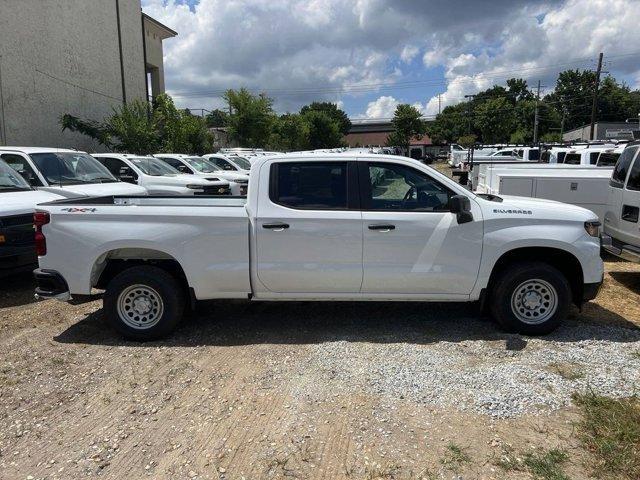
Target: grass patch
[(610, 429), (454, 457), (636, 354), (542, 464), (568, 371), (546, 465)]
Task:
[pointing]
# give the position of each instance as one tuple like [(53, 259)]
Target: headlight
[(592, 227), (195, 187)]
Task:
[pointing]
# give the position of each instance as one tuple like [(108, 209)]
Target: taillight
[(40, 219)]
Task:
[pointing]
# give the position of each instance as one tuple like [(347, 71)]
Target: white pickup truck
[(322, 227)]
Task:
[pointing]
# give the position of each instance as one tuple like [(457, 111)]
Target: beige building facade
[(82, 57)]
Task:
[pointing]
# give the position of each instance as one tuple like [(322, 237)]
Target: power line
[(382, 86)]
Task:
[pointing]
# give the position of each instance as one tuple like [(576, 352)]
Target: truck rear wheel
[(530, 298), (144, 303)]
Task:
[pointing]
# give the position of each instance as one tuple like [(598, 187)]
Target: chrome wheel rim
[(534, 301), (140, 307)]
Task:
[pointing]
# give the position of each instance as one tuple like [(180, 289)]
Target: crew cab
[(157, 177), (68, 173), (194, 165), (18, 201), (322, 227), (621, 235)]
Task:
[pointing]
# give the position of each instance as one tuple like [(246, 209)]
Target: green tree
[(332, 110), (407, 124), (217, 118), (290, 132), (128, 129), (324, 131), (138, 128), (252, 117), (495, 120)]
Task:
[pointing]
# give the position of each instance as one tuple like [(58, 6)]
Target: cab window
[(401, 188), (309, 185), (20, 165), (621, 169)]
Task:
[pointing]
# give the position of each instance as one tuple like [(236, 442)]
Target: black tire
[(165, 300), (514, 277)]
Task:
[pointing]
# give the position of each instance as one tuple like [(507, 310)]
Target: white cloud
[(569, 36), (408, 53), (383, 107), (304, 50)]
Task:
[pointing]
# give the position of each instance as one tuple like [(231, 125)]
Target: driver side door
[(412, 243)]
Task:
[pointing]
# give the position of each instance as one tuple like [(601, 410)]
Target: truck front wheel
[(530, 298), (143, 303)]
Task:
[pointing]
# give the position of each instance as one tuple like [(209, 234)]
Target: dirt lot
[(380, 390), (306, 390)]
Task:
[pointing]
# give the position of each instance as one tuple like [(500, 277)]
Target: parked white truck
[(322, 227), (621, 234)]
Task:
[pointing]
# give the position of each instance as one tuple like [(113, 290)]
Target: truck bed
[(207, 236)]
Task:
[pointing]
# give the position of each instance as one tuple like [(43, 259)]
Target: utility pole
[(594, 105), (536, 118), (564, 114), (469, 113)]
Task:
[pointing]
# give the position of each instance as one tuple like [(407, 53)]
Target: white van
[(158, 177), (65, 172), (621, 236), (194, 165)]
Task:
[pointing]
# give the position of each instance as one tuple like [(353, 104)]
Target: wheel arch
[(115, 261), (566, 262)]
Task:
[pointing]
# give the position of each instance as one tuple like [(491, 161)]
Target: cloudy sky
[(370, 55)]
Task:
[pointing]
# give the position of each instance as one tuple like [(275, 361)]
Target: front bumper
[(627, 252)]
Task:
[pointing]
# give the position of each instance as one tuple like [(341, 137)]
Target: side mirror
[(461, 206)]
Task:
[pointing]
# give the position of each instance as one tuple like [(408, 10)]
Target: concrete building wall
[(603, 131), (61, 57)]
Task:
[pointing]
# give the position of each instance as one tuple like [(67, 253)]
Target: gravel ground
[(302, 390)]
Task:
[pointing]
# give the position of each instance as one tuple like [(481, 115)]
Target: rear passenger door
[(309, 228)]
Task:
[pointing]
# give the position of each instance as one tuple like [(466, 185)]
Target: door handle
[(382, 228), (276, 227)]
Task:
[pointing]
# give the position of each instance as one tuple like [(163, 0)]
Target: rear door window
[(621, 169), (309, 185)]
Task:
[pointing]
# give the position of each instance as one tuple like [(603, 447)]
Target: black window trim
[(353, 196), (634, 160), (365, 186), (622, 185)]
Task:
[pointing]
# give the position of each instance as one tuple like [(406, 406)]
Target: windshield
[(70, 168), (10, 180), (242, 162), (153, 166), (201, 165)]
